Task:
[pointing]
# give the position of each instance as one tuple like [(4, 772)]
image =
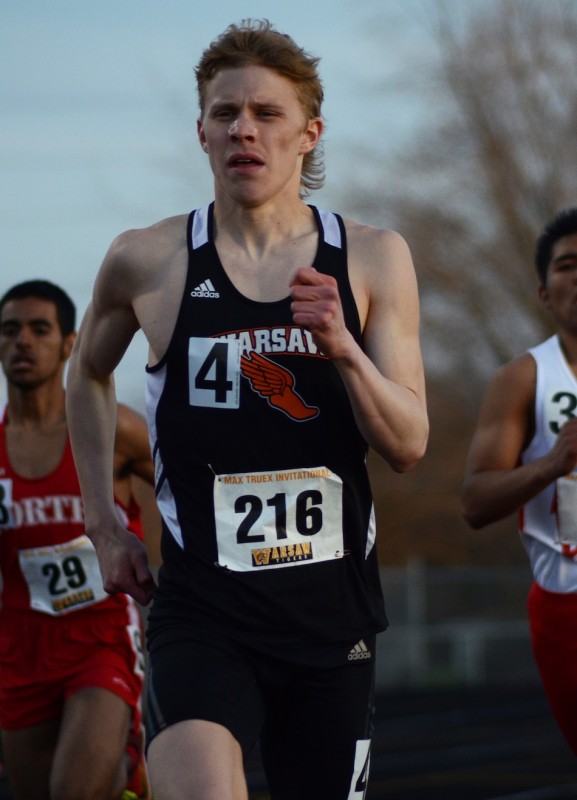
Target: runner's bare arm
[(496, 484), (131, 448), (105, 333), (385, 382)]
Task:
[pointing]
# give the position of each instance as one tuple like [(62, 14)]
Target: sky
[(98, 115)]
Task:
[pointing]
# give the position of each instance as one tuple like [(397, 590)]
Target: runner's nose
[(242, 129), (24, 336)]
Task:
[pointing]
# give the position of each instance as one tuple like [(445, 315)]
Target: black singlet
[(268, 528)]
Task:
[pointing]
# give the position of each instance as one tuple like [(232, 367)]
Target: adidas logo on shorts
[(205, 289), (360, 652)]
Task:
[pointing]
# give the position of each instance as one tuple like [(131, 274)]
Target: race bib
[(62, 577), (567, 508), (271, 520)]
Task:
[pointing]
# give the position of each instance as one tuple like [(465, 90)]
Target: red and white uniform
[(548, 527), (59, 630)]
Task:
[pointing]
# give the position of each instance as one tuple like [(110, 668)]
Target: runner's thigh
[(317, 735), (203, 679)]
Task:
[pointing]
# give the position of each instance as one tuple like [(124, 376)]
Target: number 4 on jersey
[(360, 779), (214, 372)]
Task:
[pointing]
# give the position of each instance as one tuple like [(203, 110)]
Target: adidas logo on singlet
[(360, 652), (205, 289)]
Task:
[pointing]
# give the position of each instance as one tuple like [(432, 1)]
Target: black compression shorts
[(313, 716)]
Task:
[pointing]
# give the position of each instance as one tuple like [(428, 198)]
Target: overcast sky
[(98, 111)]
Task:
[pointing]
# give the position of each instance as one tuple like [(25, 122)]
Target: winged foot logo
[(275, 384)]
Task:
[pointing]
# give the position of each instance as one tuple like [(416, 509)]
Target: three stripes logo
[(205, 290), (360, 652)]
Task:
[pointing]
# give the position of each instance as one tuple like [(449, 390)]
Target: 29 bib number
[(63, 577)]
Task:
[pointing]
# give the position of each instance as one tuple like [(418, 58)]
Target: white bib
[(566, 488), (62, 577), (268, 520)]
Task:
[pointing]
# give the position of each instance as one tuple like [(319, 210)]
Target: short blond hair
[(258, 43)]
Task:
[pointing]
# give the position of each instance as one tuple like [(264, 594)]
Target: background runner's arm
[(496, 483)]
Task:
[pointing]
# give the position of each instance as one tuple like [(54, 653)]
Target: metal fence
[(455, 625)]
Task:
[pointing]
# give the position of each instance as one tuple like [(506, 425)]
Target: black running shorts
[(311, 713)]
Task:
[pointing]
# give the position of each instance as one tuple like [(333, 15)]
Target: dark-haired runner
[(524, 457), (71, 660)]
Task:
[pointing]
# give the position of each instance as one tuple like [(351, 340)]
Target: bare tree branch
[(498, 159)]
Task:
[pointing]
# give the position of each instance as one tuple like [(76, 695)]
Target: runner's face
[(32, 348), (255, 133), (559, 294)]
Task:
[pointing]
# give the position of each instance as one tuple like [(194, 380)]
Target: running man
[(71, 659), (524, 457), (283, 342)]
